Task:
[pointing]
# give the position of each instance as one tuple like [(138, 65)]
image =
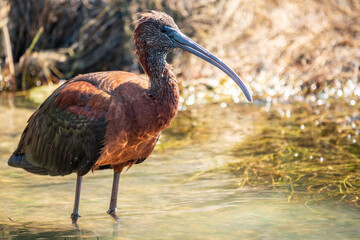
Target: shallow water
[(176, 193)]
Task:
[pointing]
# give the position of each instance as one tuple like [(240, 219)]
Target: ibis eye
[(163, 30)]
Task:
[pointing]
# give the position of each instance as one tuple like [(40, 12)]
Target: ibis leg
[(114, 193), (75, 215)]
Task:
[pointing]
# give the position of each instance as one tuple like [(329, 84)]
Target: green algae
[(311, 151)]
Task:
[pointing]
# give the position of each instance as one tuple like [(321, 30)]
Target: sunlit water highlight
[(167, 196)]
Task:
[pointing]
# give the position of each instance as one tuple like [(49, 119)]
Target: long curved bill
[(182, 41)]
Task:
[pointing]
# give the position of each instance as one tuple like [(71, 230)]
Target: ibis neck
[(163, 83), (165, 93), (163, 86), (162, 79)]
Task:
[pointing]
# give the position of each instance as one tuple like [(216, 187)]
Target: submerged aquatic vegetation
[(310, 150)]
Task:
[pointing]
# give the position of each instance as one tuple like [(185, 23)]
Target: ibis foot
[(74, 217), (112, 213), (113, 199)]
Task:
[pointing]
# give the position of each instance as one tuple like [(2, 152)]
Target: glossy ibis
[(110, 119)]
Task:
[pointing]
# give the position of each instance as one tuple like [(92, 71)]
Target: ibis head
[(157, 34)]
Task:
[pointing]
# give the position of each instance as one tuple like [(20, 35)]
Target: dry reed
[(296, 46)]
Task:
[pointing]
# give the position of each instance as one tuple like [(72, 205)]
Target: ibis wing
[(67, 132)]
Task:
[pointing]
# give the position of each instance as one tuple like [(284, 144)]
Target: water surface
[(194, 186)]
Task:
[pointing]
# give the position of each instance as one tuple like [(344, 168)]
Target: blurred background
[(282, 48), (284, 167)]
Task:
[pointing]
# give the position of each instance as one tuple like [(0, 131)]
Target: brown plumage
[(110, 119)]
